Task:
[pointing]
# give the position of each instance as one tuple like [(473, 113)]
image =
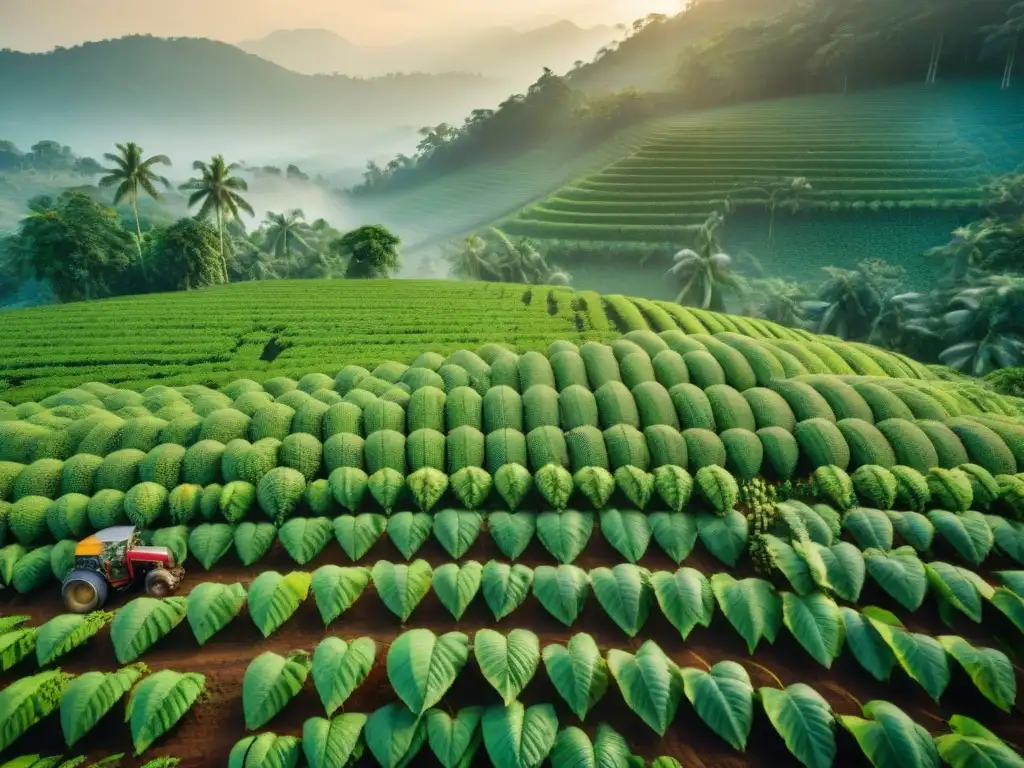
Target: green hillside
[(461, 201), (891, 171), (289, 327)]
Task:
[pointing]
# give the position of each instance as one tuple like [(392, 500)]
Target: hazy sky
[(35, 25)]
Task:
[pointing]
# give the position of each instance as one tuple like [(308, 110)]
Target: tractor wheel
[(84, 591), (160, 583)]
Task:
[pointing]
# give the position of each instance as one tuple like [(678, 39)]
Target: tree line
[(972, 320), (83, 249), (816, 46)]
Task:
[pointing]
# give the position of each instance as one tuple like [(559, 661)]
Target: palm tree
[(219, 192), (1006, 36), (705, 273), (130, 173), (468, 262), (285, 231)]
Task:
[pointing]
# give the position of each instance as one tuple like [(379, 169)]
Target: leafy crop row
[(155, 703), (515, 736)]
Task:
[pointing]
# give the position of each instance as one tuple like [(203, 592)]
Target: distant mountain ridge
[(147, 89), (500, 52)]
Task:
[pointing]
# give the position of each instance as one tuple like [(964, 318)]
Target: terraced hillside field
[(891, 170), (722, 543), (263, 330), (465, 200)]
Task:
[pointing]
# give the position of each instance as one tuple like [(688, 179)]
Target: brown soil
[(207, 733)]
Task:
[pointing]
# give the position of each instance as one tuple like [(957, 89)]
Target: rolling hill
[(211, 96), (508, 54)]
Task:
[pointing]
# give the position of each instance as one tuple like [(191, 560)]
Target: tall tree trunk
[(138, 232), (846, 83), (220, 231), (1011, 59)]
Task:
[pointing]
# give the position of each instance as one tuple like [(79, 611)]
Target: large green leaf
[(788, 560), (562, 590), (685, 597), (269, 683), (395, 735), (517, 737), (28, 700), (578, 672), (914, 528), (423, 666), (456, 585), (724, 699), (91, 696), (211, 607), (158, 702), (333, 743), (1010, 604), (843, 568), (507, 663), (751, 606), (870, 528), (505, 587), (890, 739), (511, 531), (456, 530), (626, 595), (401, 587), (358, 533), (957, 588), (62, 634), (868, 647), (16, 645), (628, 531), (1008, 537), (565, 534), (724, 536), (900, 573), (573, 749), (209, 542), (303, 538), (265, 750), (455, 740), (409, 530), (336, 588), (989, 669), (971, 745), (253, 541), (815, 622), (922, 657), (967, 532), (273, 598), (141, 623), (675, 532), (650, 682), (805, 722), (339, 667)]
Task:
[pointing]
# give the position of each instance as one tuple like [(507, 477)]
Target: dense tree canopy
[(75, 244)]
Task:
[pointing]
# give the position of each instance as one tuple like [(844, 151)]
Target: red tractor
[(115, 558)]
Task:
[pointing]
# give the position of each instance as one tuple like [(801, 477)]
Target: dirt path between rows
[(207, 733)]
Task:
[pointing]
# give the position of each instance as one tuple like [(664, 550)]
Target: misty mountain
[(649, 60), (176, 95), (513, 54)]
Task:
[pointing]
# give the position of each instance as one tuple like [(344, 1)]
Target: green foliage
[(269, 683), (718, 488), (158, 702), (212, 606), (273, 598), (142, 622)]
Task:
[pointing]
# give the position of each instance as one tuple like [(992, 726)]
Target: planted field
[(289, 328), (465, 200), (905, 149), (723, 542)]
